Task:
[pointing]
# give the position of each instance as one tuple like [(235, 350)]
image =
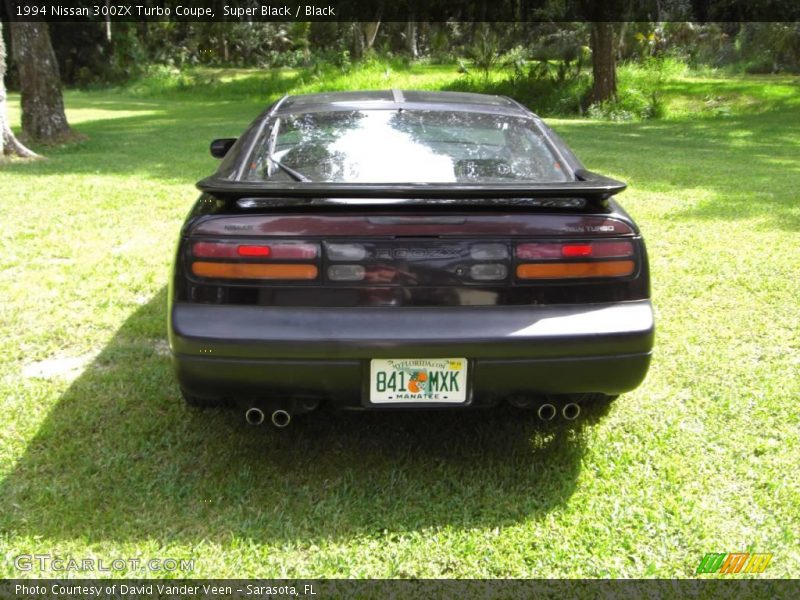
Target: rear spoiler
[(589, 186)]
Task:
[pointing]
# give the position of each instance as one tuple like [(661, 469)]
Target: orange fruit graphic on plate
[(418, 377)]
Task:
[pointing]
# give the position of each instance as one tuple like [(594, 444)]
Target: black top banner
[(402, 10)]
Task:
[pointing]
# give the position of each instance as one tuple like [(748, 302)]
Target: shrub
[(541, 94), (484, 52), (639, 92), (760, 66)]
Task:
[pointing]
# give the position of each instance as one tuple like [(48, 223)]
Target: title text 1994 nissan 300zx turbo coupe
[(399, 250)]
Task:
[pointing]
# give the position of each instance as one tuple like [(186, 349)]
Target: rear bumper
[(262, 352)]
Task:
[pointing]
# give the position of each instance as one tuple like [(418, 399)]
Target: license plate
[(418, 380)]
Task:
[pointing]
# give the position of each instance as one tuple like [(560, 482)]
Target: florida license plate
[(418, 380)]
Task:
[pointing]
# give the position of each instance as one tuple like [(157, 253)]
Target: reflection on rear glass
[(409, 146)]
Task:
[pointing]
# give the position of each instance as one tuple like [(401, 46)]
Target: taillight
[(346, 272), (575, 260), (255, 260), (603, 249), (417, 262), (572, 250), (246, 251), (488, 251), (424, 257), (489, 272), (220, 270), (345, 252), (281, 250), (615, 268)]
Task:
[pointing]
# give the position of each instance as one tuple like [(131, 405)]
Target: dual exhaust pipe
[(570, 411), (280, 418)]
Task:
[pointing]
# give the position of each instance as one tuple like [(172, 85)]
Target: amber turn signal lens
[(253, 271), (612, 268)]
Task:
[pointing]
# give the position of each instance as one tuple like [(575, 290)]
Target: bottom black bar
[(323, 589)]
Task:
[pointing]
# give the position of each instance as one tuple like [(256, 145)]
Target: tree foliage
[(87, 56), (569, 67)]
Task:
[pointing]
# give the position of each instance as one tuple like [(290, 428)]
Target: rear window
[(404, 146)]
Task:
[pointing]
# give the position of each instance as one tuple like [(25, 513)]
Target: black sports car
[(397, 250)]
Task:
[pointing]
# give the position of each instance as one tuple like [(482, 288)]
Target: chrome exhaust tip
[(571, 411), (281, 418), (254, 416), (546, 412)]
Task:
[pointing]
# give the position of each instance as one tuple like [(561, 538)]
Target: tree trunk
[(9, 144), (411, 39), (370, 33), (108, 22), (604, 68), (43, 118), (623, 30), (358, 41)]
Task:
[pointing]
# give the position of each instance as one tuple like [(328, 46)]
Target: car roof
[(401, 99)]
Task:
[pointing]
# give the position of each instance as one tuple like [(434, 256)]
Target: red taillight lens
[(552, 251), (214, 250), (571, 250), (278, 250), (611, 249), (253, 251), (294, 251)]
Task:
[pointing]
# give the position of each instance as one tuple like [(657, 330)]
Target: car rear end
[(280, 305)]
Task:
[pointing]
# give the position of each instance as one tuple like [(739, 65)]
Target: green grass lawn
[(99, 457)]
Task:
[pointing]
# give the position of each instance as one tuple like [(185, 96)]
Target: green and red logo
[(733, 562)]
